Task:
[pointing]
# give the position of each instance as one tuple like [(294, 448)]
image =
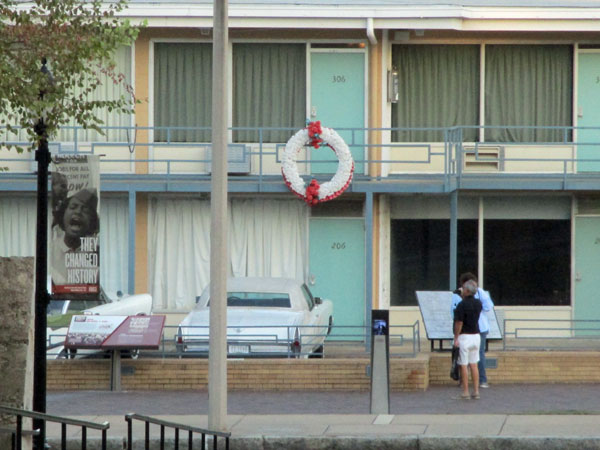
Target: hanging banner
[(75, 230)]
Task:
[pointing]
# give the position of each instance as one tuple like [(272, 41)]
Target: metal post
[(369, 266), (42, 156), (453, 238), (131, 242), (217, 359)]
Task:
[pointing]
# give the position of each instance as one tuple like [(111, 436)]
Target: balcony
[(132, 160)]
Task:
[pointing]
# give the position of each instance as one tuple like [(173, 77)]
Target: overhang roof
[(467, 15)]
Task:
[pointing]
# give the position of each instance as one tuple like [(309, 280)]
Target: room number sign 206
[(338, 245)]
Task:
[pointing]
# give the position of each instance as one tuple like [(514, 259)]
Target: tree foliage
[(78, 39)]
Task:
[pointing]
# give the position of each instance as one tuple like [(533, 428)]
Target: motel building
[(473, 127)]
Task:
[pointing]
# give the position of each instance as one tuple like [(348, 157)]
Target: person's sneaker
[(484, 385)]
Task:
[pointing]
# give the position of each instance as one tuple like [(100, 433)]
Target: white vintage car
[(61, 311), (265, 317)]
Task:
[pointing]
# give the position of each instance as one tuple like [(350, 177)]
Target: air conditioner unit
[(483, 158), (238, 159)]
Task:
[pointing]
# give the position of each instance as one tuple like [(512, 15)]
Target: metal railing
[(176, 427), (347, 340), (563, 157), (551, 334), (18, 434), (338, 339)]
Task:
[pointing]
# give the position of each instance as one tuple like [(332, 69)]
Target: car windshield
[(258, 300)]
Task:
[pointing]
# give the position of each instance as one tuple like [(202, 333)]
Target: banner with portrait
[(74, 263)]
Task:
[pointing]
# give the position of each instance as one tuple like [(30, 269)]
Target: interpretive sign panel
[(90, 331), (435, 310), (115, 332), (142, 332)]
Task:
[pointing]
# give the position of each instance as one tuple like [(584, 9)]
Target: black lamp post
[(42, 156)]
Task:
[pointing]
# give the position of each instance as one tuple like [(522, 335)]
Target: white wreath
[(330, 189)]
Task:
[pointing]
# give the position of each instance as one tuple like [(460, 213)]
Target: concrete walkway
[(363, 431), (535, 416)]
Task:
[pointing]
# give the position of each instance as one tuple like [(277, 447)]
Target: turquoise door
[(337, 271), (587, 281), (588, 112), (337, 99)]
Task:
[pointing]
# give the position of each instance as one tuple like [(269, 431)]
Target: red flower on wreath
[(314, 130), (312, 193)]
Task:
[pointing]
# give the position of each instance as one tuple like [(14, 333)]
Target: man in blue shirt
[(484, 326)]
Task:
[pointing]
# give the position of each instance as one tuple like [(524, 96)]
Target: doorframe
[(368, 249), (363, 51), (575, 116), (576, 216)]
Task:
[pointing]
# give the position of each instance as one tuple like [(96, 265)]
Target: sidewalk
[(361, 431), (534, 416)]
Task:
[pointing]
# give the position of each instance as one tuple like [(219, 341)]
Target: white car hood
[(127, 306)]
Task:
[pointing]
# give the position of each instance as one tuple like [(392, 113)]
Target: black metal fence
[(176, 428), (19, 433)]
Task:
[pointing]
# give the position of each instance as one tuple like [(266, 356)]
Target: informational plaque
[(141, 332), (90, 331), (437, 317), (115, 332)]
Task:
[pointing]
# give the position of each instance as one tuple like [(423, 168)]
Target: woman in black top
[(467, 339)]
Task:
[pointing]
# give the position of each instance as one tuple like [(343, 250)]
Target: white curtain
[(114, 242), (18, 221), (266, 238), (18, 218)]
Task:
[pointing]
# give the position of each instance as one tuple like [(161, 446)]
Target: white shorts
[(469, 349)]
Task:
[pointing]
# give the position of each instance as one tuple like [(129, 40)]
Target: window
[(439, 87), (258, 300), (528, 85), (108, 90), (182, 92), (525, 86), (420, 256), (269, 90), (526, 262)]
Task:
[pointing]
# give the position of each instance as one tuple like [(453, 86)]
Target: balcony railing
[(574, 154)]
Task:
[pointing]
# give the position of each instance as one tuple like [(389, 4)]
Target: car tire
[(134, 353), (317, 353), (67, 354)]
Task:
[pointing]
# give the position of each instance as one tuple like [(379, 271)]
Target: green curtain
[(528, 85), (108, 90), (439, 87), (269, 90), (182, 91)]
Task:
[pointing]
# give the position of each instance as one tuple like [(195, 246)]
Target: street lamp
[(42, 156)]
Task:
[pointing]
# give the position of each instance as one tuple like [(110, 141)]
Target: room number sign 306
[(338, 245)]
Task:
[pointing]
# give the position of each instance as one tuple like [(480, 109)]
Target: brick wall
[(408, 374), (528, 367), (258, 374)]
